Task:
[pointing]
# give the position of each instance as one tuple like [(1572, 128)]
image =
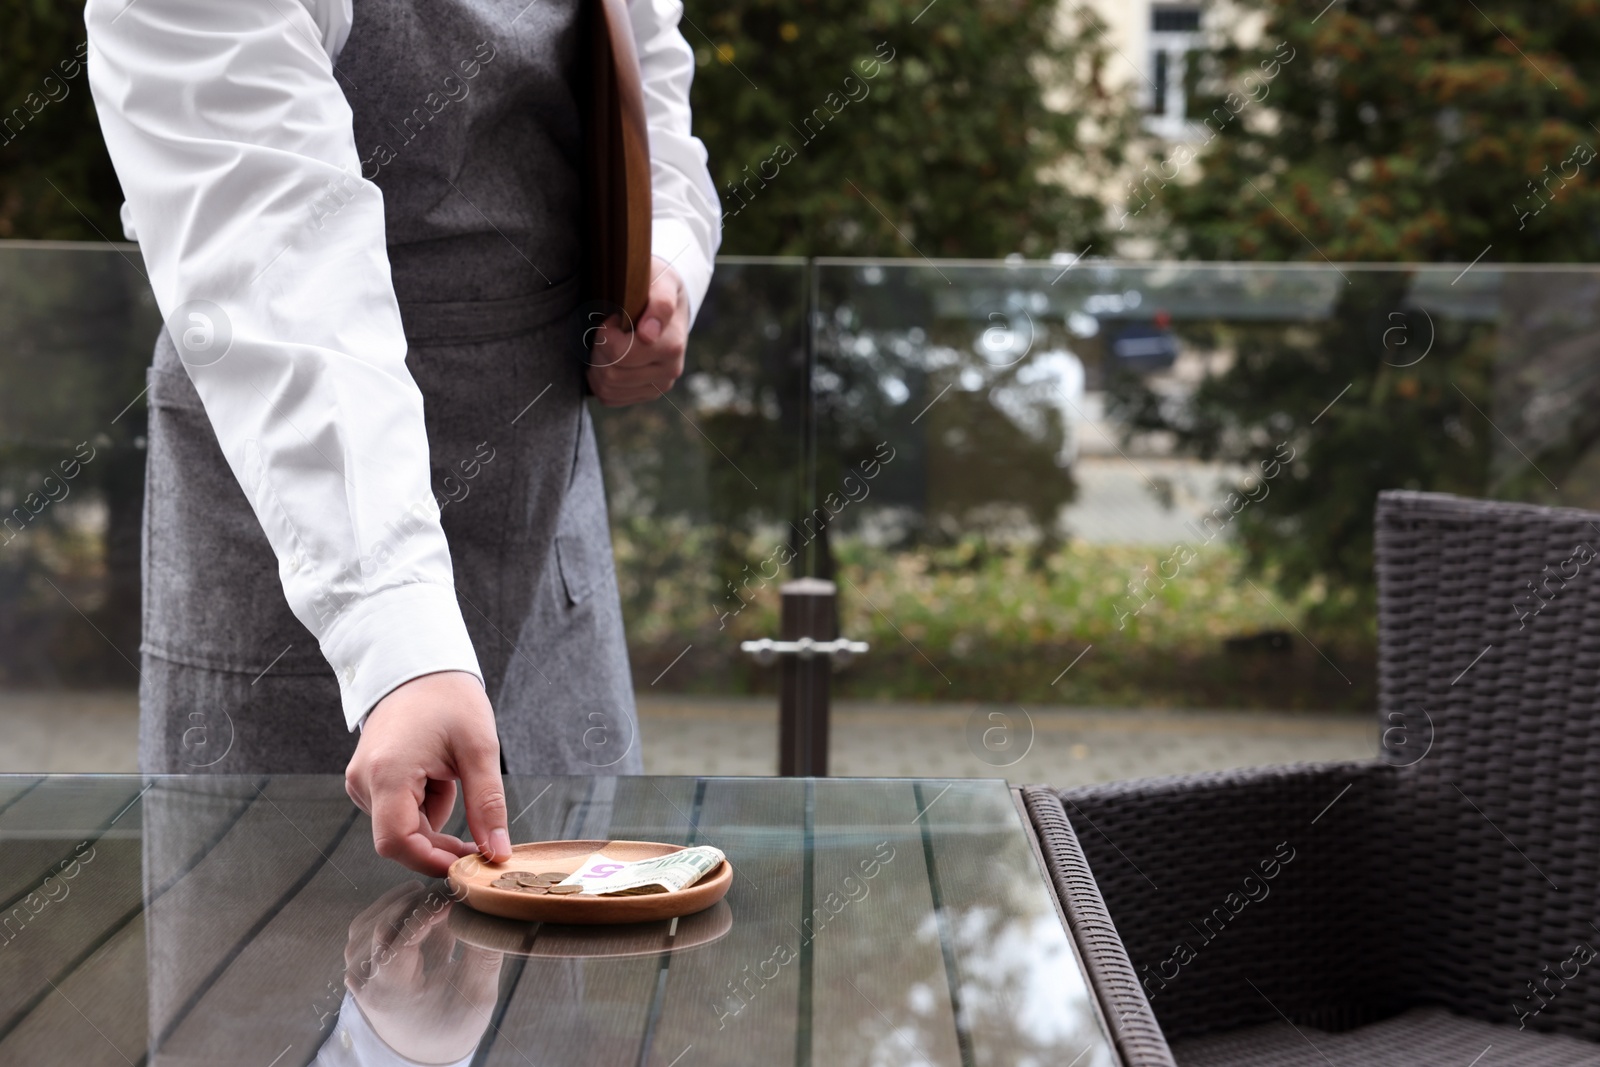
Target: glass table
[(248, 921)]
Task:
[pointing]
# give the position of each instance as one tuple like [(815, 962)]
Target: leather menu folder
[(618, 148)]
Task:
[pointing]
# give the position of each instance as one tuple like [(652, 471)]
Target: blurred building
[(1152, 47), (1150, 44)]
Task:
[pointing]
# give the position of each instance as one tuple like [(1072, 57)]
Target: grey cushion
[(1422, 1037)]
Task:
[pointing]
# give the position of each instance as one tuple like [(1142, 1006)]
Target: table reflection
[(556, 941), (229, 920), (426, 995)]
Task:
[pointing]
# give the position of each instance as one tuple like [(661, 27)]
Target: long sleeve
[(354, 1043), (233, 144), (687, 217)]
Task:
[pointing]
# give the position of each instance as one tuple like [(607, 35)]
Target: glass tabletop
[(871, 922)]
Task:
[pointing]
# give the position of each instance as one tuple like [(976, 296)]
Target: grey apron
[(465, 117)]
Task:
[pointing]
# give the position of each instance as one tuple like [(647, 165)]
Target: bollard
[(803, 678)]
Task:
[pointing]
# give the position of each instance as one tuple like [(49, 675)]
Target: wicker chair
[(1437, 905)]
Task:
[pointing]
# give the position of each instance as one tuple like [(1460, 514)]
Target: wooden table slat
[(869, 922), (76, 915), (98, 1015), (281, 838), (1013, 960), (14, 787), (286, 987), (879, 971), (595, 1011), (44, 826), (713, 998)]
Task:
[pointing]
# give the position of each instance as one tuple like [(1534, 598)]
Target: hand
[(399, 969), (626, 367), (415, 744)]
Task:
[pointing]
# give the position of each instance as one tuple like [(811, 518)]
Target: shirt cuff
[(355, 1043), (673, 240), (385, 640)]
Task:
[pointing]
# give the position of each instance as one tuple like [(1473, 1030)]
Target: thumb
[(485, 798)]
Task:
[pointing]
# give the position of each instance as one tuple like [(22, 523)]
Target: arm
[(687, 226), (688, 217), (233, 144), (228, 129)]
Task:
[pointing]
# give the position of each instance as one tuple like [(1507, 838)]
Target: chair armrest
[(1132, 1025), (1244, 896)]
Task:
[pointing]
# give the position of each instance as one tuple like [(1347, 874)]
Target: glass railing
[(77, 323), (1151, 485), (1098, 484), (702, 484)]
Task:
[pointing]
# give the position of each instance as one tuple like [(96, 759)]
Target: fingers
[(662, 372), (613, 394), (634, 362), (628, 399), (355, 785), (438, 801), (362, 925), (612, 343), (401, 833), (482, 960), (449, 843), (658, 312), (437, 942), (394, 945), (645, 372), (668, 303), (478, 764), (418, 739)]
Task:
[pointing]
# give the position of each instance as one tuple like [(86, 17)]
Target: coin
[(554, 876), (535, 889), (519, 874), (564, 890), (505, 882), (529, 880)]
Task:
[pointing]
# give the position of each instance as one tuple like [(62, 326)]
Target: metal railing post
[(807, 612)]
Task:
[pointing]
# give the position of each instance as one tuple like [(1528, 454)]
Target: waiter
[(372, 478)]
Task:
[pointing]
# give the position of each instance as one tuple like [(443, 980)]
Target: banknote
[(608, 876)]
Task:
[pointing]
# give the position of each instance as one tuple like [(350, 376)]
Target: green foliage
[(988, 620), (951, 139), (1422, 131), (56, 180), (1327, 417), (945, 149), (977, 435), (1418, 131)]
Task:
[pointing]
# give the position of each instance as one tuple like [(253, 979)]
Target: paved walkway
[(96, 731), (1116, 504)]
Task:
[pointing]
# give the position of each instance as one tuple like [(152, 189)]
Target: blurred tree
[(1417, 131), (79, 325), (894, 127), (948, 126), (1422, 131), (1328, 413), (56, 180)]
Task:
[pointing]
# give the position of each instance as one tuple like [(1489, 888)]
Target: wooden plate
[(556, 941), (470, 880)]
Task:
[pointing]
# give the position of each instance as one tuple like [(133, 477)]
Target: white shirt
[(354, 1043), (225, 121)]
